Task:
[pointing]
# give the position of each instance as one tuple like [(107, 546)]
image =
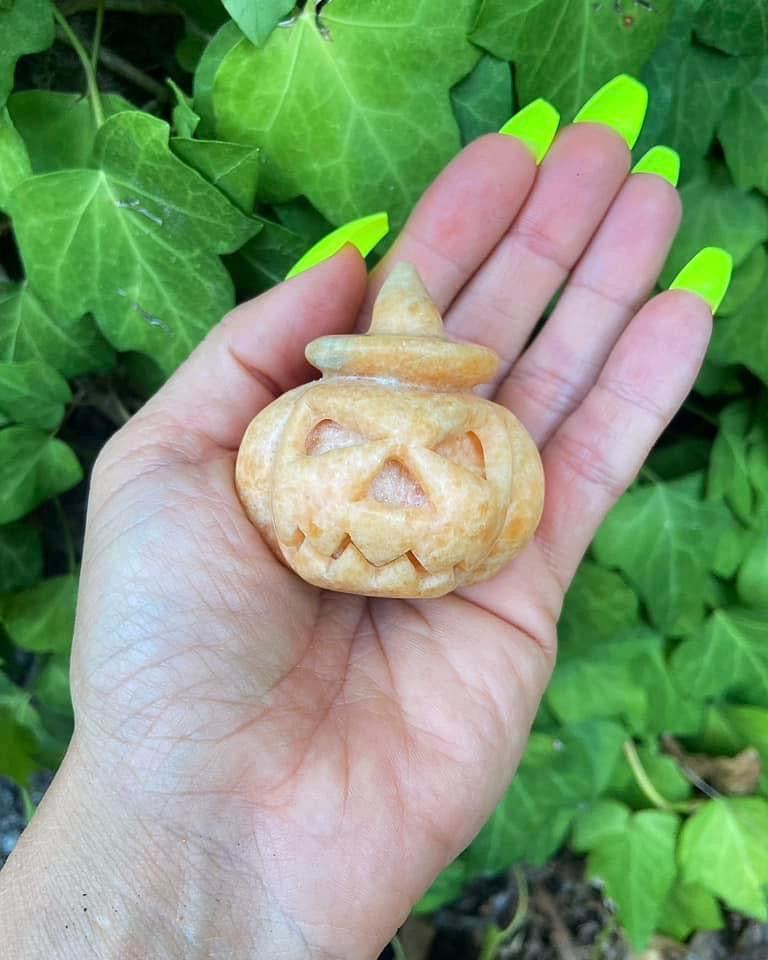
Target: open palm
[(314, 759)]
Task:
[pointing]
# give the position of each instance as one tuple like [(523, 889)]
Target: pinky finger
[(598, 450)]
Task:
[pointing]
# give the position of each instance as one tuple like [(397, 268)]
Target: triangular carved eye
[(330, 435), (396, 486), (466, 450)]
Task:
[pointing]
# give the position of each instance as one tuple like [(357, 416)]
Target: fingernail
[(364, 234), (707, 275), (663, 162), (620, 105), (536, 125)]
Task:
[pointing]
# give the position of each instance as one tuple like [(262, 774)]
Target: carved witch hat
[(406, 342)]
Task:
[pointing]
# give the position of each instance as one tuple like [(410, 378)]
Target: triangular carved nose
[(395, 486)]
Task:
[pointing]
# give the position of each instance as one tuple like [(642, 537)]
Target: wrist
[(94, 877)]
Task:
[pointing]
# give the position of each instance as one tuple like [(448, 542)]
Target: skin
[(263, 769)]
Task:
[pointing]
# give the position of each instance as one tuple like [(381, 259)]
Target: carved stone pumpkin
[(389, 477)]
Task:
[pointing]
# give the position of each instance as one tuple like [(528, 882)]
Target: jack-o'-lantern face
[(390, 483)]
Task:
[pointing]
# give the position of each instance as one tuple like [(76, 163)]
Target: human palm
[(326, 755)]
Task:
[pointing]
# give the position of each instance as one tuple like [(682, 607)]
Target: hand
[(285, 770)]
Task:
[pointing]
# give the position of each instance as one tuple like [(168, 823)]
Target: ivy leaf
[(718, 213), (729, 656), (565, 49), (723, 849), (33, 467), (32, 392), (258, 20), (733, 547), (30, 329), (21, 556), (232, 167), (482, 101), (638, 869), (148, 226), (265, 259), (585, 687), (556, 777), (41, 619), (733, 26), (185, 120), (689, 908), (743, 132), (20, 733), (745, 281), (25, 27), (664, 538), (202, 96), (752, 581), (728, 475), (689, 90), (14, 160), (58, 128), (599, 605), (369, 145), (743, 338), (601, 820)]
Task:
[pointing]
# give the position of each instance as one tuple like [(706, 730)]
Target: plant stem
[(125, 69), (496, 938), (645, 471), (397, 949), (97, 30), (90, 76), (645, 784)]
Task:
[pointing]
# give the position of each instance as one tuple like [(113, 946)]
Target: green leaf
[(232, 167), (752, 581), (599, 604), (734, 544), (331, 129), (601, 820), (14, 159), (746, 279), (51, 687), (185, 120), (689, 90), (258, 20), (661, 770), (445, 889), (585, 687), (58, 128), (21, 557), (565, 49), (689, 908), (556, 777), (33, 467), (716, 213), (743, 131), (674, 460), (664, 538), (638, 868), (31, 329), (148, 226), (728, 478), (20, 733), (32, 392), (482, 101), (41, 619), (223, 41), (26, 26), (733, 26), (723, 849), (730, 656), (743, 337), (265, 260)]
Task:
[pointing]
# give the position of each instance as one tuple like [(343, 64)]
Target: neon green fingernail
[(707, 275), (662, 162), (620, 105), (364, 234), (536, 125)]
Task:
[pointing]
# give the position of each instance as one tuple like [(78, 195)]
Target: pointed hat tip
[(404, 306)]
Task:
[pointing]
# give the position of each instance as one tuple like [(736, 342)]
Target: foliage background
[(135, 216)]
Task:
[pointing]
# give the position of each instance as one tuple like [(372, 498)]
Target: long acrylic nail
[(536, 125), (364, 234), (707, 275), (620, 105), (662, 162)]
